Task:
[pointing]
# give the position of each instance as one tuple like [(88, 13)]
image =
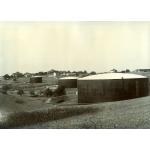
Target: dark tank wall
[(68, 83), (36, 80), (93, 91)]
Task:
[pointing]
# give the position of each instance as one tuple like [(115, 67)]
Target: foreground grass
[(29, 118)]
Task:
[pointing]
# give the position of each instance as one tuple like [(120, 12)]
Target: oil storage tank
[(111, 87), (36, 79), (68, 82)]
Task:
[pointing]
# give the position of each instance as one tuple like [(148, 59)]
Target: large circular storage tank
[(111, 87), (68, 82), (36, 79)]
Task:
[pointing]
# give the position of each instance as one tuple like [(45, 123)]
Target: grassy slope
[(7, 103), (133, 113)]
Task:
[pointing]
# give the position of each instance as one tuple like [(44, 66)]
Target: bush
[(4, 91), (35, 117), (20, 92), (48, 92), (60, 91), (32, 93), (5, 88), (6, 77), (93, 73), (14, 79)]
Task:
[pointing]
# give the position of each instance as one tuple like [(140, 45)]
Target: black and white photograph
[(75, 75)]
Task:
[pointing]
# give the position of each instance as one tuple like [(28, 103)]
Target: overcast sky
[(91, 46)]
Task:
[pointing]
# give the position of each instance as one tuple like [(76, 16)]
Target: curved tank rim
[(113, 76), (36, 77), (67, 78)]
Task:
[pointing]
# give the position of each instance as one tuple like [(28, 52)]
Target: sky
[(91, 46)]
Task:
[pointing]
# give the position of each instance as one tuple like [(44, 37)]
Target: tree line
[(58, 73)]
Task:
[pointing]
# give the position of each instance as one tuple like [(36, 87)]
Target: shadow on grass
[(30, 118)]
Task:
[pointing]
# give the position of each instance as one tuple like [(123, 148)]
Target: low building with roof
[(36, 79)]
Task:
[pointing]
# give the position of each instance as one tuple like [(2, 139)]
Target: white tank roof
[(65, 78), (112, 76), (36, 77)]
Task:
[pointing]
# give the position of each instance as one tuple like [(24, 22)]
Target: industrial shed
[(68, 82), (36, 79), (111, 87)]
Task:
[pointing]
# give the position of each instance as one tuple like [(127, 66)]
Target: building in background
[(142, 70), (36, 79)]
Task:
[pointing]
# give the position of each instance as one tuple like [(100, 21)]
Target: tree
[(32, 93), (93, 73), (41, 73), (114, 70), (85, 72), (14, 79), (48, 92), (18, 75), (6, 77), (60, 91), (127, 70), (5, 88)]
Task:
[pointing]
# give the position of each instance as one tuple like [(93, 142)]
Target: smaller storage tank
[(68, 82), (112, 87), (36, 79)]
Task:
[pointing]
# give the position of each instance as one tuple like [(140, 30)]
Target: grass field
[(126, 114), (35, 112), (133, 113)]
